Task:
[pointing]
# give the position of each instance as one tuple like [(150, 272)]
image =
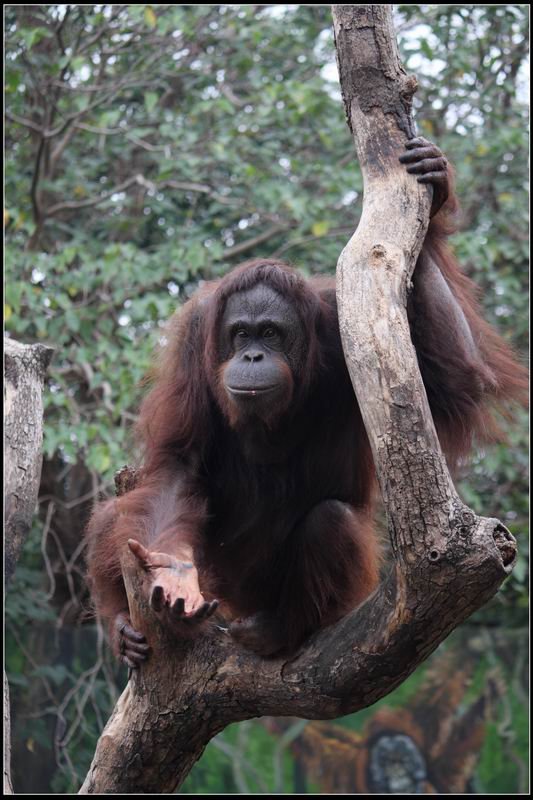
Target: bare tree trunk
[(430, 527), (448, 561), (25, 368), (8, 786)]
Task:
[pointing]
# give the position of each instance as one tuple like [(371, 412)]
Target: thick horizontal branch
[(188, 692)]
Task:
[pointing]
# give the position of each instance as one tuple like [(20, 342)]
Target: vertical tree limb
[(24, 371), (427, 518)]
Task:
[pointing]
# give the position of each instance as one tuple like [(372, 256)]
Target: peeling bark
[(448, 561)]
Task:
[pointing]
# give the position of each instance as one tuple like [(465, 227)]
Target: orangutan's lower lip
[(251, 392)]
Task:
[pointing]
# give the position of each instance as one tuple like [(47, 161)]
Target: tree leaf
[(150, 17)]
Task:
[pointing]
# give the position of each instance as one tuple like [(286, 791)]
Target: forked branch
[(448, 561)]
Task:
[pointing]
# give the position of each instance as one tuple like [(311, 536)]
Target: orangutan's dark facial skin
[(263, 343)]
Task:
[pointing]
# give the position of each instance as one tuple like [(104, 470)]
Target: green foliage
[(242, 759), (150, 147)]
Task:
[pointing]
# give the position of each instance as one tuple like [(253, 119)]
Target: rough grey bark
[(448, 562), (24, 370), (8, 786), (437, 540)]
